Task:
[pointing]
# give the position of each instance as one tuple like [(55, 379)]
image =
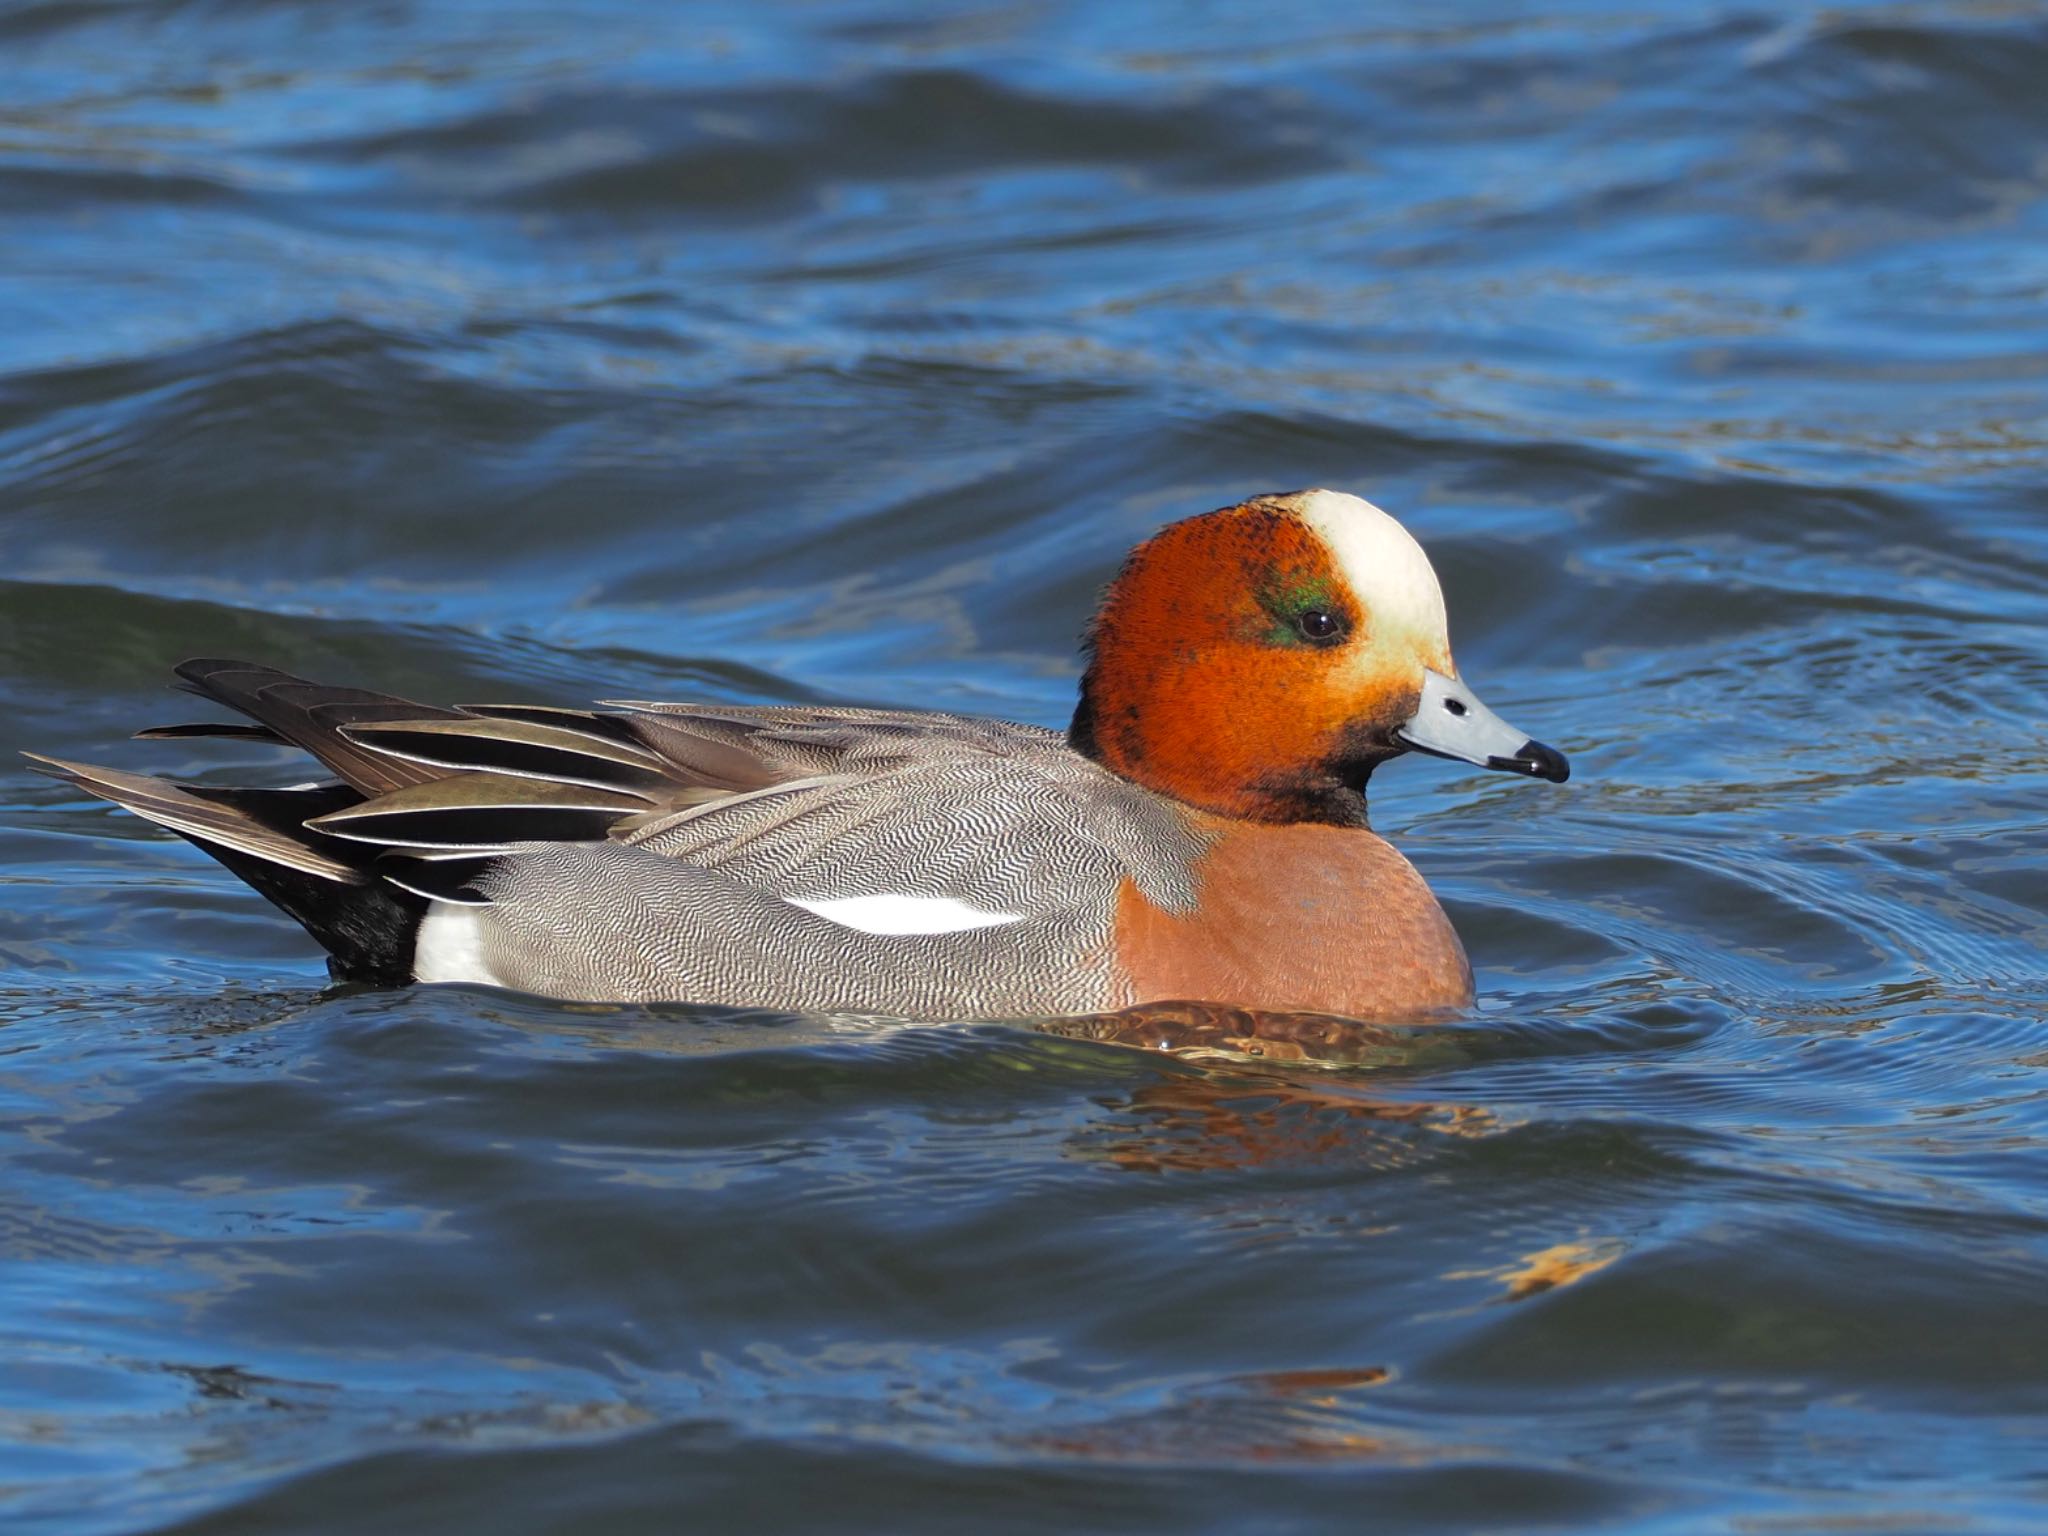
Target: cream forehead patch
[(1380, 560)]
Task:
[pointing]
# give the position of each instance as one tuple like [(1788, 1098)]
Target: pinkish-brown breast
[(1302, 917)]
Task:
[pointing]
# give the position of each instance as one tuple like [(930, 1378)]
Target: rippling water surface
[(836, 351)]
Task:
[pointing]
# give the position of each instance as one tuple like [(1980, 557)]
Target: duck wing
[(976, 883), (817, 857)]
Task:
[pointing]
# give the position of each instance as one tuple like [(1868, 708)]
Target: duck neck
[(1326, 794)]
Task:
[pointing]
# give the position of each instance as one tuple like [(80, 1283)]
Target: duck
[(1198, 832)]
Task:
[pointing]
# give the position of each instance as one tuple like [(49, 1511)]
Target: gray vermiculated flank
[(1006, 818)]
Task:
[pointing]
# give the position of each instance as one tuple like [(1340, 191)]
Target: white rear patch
[(449, 945), (1381, 560), (904, 914)]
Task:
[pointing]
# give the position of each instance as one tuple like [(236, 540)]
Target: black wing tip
[(215, 677), (228, 729)]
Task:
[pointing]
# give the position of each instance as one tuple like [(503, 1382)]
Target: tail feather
[(313, 716), (217, 818), (424, 798), (367, 925)]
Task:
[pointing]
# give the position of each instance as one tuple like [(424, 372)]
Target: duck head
[(1259, 662)]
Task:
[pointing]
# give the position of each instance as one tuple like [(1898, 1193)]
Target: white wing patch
[(449, 945), (904, 914)]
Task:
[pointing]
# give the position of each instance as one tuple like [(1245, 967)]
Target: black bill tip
[(1536, 760)]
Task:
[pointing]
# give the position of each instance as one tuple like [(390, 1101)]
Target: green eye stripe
[(1289, 599), (1285, 601)]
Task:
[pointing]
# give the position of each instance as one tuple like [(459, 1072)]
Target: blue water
[(837, 351)]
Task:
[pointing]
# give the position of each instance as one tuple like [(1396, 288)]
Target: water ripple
[(766, 354)]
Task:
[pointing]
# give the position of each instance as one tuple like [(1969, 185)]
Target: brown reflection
[(1318, 1386), (1217, 1029), (1249, 1119), (1277, 1416), (1281, 1106)]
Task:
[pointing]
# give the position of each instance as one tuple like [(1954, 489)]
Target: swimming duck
[(1199, 832)]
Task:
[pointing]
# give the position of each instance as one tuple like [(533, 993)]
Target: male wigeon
[(1199, 832)]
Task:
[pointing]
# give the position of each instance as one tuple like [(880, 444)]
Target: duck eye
[(1319, 624)]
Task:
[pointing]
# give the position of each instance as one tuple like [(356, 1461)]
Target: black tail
[(368, 930)]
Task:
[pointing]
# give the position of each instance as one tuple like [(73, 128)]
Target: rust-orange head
[(1258, 661)]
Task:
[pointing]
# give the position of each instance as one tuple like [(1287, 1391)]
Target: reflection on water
[(775, 353), (1213, 1029), (1235, 1120)]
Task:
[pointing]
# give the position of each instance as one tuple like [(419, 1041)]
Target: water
[(781, 352)]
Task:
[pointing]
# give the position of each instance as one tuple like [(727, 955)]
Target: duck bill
[(1451, 722)]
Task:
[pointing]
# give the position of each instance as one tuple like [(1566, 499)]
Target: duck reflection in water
[(1260, 1091)]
